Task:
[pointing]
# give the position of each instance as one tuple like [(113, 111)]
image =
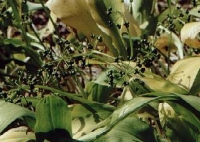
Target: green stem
[(170, 40), (131, 43), (22, 26), (76, 79)]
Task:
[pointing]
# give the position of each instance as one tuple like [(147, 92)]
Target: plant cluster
[(103, 70)]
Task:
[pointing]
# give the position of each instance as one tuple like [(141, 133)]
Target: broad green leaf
[(181, 130), (174, 111), (52, 113), (164, 14), (99, 9), (142, 12), (139, 102), (10, 112), (129, 130), (132, 106), (195, 89), (97, 92), (184, 73), (189, 34), (20, 47), (81, 126), (192, 102), (53, 120), (187, 115), (86, 103), (158, 84), (85, 120), (136, 87), (19, 134), (122, 112)]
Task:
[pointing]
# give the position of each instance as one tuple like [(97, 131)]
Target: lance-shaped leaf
[(108, 14), (97, 92), (10, 112), (85, 120), (195, 89), (18, 134), (158, 84), (174, 118), (53, 117), (189, 34), (131, 129)]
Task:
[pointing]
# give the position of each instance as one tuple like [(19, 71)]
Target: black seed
[(126, 24), (4, 94), (122, 72), (116, 59), (142, 70), (110, 23), (99, 38), (92, 36), (110, 72), (109, 11), (131, 58), (155, 51), (90, 46), (181, 15), (125, 83), (187, 11), (148, 63), (32, 86), (136, 80), (136, 71), (141, 83), (139, 65), (118, 26), (29, 103)]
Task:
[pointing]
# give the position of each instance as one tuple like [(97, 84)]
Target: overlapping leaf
[(10, 112)]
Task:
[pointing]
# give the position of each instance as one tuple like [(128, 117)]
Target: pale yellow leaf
[(185, 71), (75, 14), (165, 112), (18, 134), (189, 34)]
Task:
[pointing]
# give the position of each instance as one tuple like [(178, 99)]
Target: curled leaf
[(163, 44), (189, 34), (18, 134), (169, 41)]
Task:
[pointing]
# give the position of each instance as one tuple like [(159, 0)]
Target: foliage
[(146, 57)]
